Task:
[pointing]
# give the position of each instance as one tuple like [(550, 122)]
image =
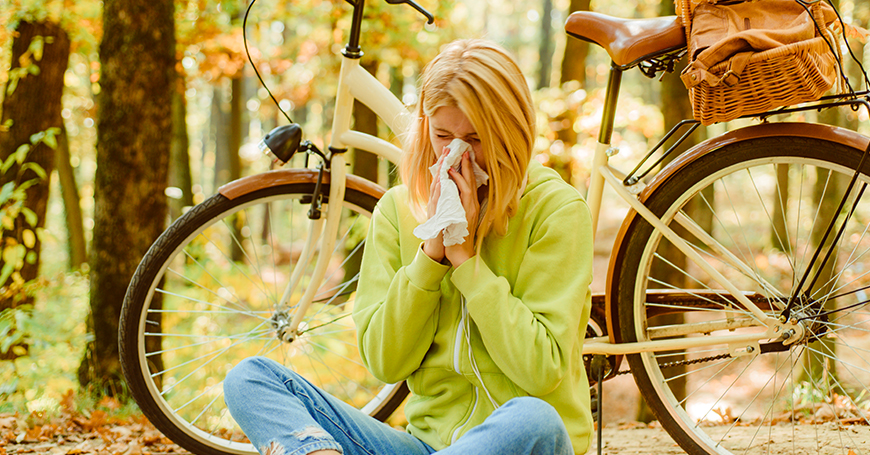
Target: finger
[(468, 170), (466, 193)]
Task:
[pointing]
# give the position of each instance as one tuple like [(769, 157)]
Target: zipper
[(457, 356), (457, 344), (458, 429)]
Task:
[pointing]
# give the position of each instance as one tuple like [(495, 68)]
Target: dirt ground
[(142, 440)]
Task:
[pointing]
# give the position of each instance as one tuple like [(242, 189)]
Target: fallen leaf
[(7, 422), (109, 403)]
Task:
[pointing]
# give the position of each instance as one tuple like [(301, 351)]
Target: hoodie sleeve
[(531, 329), (395, 309)]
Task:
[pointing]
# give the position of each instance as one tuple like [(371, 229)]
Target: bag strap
[(698, 72)]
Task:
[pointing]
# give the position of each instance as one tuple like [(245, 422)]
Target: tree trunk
[(75, 227), (134, 136), (218, 127), (365, 164), (228, 163), (576, 50), (545, 50), (179, 161)]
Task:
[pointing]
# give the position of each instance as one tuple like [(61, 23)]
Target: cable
[(248, 53)]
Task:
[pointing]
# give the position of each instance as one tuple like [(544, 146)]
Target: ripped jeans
[(283, 414)]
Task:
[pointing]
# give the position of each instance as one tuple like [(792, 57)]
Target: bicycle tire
[(807, 397), (216, 308)]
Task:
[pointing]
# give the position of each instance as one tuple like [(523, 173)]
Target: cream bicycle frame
[(355, 83), (602, 173)]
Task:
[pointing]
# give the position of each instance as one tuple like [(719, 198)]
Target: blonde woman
[(487, 331)]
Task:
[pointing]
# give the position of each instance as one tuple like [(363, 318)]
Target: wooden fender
[(246, 185)]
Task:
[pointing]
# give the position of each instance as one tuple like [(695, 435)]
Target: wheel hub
[(806, 323), (281, 322)]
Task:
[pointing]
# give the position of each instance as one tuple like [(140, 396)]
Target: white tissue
[(449, 215)]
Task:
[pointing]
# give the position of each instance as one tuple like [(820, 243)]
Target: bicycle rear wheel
[(206, 296), (757, 211)]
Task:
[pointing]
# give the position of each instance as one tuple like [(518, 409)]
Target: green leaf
[(29, 238), (6, 272), (14, 254), (29, 216), (36, 137), (36, 47), (11, 85), (21, 153), (6, 192), (51, 137), (23, 186), (8, 163), (37, 169)]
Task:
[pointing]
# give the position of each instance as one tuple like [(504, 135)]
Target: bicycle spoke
[(253, 262), (235, 265), (756, 213), (242, 339), (192, 299)]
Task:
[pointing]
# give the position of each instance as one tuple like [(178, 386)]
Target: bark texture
[(133, 143), (576, 50)]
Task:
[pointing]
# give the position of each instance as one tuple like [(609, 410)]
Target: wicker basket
[(791, 74)]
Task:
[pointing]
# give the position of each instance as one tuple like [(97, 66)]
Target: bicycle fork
[(321, 240)]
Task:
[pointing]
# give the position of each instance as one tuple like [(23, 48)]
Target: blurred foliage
[(12, 198), (54, 331)]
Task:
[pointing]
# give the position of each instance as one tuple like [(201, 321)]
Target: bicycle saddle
[(627, 41)]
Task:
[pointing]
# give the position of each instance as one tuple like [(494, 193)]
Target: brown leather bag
[(728, 30)]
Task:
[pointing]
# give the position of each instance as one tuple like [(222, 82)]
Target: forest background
[(84, 190)]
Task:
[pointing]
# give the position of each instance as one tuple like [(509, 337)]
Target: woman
[(515, 290)]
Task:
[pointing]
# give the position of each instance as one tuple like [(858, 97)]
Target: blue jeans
[(277, 408)]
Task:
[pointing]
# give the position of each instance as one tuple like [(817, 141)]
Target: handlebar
[(429, 17), (352, 49)]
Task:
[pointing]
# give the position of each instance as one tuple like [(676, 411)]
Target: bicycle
[(779, 314)]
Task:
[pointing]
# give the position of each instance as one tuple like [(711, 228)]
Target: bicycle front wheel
[(207, 295), (756, 212)]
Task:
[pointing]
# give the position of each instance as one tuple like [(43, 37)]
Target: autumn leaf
[(110, 403)]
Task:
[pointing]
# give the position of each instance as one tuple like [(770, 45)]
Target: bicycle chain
[(679, 363)]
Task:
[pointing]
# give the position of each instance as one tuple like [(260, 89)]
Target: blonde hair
[(486, 84)]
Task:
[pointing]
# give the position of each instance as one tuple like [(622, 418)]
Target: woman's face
[(449, 123)]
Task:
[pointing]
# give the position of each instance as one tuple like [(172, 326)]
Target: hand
[(467, 185), (434, 248)]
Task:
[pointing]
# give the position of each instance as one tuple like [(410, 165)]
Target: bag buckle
[(730, 78)]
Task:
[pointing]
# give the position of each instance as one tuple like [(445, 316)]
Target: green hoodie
[(527, 303)]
